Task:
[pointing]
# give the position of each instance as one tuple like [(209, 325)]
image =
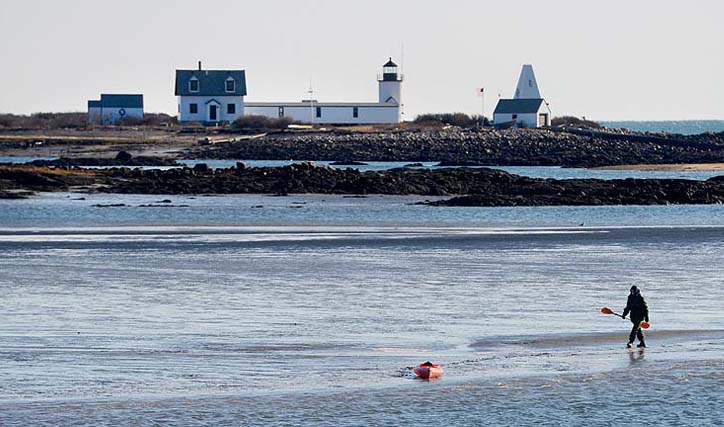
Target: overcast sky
[(614, 59)]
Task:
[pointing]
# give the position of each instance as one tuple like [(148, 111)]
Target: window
[(281, 111), (230, 85), (355, 112), (194, 85), (193, 108), (230, 108), (319, 112)]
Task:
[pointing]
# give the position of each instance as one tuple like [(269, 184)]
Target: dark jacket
[(637, 306)]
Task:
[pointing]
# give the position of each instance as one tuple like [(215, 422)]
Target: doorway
[(213, 112)]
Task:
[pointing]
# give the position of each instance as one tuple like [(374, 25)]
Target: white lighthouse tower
[(390, 84)]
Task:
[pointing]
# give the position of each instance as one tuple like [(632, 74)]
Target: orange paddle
[(606, 310)]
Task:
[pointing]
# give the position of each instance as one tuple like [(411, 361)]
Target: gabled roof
[(211, 82), (117, 101), (518, 106)]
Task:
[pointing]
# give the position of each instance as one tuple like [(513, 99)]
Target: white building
[(386, 110), (528, 108), (210, 96), (112, 108)]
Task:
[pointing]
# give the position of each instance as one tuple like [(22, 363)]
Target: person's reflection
[(636, 356)]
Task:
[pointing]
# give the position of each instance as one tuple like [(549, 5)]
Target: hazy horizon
[(648, 60)]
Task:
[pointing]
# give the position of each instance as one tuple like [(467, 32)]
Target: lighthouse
[(387, 109), (390, 84)]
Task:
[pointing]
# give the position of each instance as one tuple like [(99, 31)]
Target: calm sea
[(310, 310), (684, 127)]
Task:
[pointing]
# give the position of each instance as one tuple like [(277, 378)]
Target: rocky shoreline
[(123, 158), (472, 187), (455, 146)]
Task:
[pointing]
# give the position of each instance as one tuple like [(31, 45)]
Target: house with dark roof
[(528, 108), (113, 108), (210, 96)]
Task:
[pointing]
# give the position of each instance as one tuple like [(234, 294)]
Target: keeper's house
[(528, 109), (210, 96), (113, 108), (386, 110)]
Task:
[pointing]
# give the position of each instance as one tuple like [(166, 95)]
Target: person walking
[(636, 305)]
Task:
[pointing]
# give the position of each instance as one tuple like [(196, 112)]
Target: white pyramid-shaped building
[(528, 108)]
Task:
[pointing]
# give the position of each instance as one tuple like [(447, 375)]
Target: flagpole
[(482, 98)]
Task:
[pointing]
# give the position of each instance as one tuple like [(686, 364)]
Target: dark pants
[(636, 331)]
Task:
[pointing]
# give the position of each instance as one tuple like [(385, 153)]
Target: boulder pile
[(455, 146)]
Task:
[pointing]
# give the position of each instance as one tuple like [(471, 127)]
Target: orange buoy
[(428, 371)]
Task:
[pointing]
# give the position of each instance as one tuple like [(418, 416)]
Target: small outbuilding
[(113, 108), (528, 108), (528, 113)]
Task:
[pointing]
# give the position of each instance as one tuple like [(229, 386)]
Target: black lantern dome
[(389, 71)]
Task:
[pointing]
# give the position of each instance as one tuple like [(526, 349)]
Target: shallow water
[(81, 210), (128, 316)]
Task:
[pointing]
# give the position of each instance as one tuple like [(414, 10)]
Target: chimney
[(199, 65)]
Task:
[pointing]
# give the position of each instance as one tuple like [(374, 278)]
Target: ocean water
[(683, 127), (311, 310)]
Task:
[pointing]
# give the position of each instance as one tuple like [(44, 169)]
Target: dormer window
[(230, 85), (194, 85)]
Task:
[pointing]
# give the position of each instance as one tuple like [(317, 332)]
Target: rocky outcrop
[(454, 146), (481, 187), (123, 158), (29, 178), (596, 192)]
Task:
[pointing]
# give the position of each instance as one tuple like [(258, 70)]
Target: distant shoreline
[(680, 167)]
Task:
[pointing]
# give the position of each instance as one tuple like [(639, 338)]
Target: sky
[(605, 60)]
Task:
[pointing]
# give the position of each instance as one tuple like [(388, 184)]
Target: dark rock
[(201, 167), (124, 156)]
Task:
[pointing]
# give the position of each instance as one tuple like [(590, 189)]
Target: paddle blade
[(645, 325), (606, 310)]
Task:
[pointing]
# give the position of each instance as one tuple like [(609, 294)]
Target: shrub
[(261, 122), (454, 119), (575, 122), (44, 121), (159, 119)]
